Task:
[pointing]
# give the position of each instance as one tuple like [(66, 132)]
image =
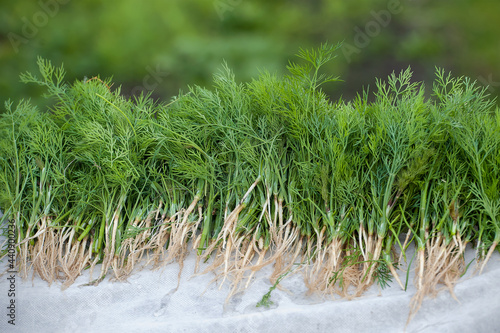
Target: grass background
[(163, 46)]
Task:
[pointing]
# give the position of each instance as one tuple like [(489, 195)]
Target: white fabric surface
[(148, 302)]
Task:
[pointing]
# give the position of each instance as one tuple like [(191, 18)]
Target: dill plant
[(269, 172)]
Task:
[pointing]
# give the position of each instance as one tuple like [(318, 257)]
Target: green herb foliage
[(269, 169)]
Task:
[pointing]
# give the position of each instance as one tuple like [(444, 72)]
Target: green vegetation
[(166, 45), (269, 172)]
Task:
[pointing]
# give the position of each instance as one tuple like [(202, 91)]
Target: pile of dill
[(268, 172)]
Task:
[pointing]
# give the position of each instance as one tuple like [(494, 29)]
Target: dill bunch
[(268, 172)]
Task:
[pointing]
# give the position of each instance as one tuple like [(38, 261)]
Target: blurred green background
[(163, 46)]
